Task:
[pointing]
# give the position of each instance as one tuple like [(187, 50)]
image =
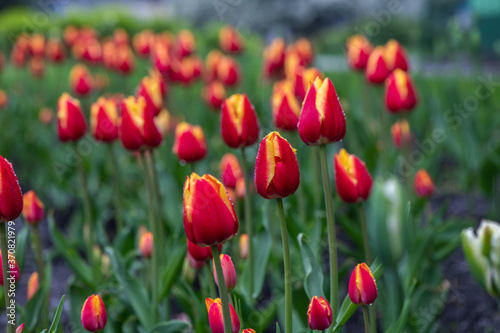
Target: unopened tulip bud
[(190, 144), (400, 92), (358, 52), (32, 208), (185, 43), (377, 69), (228, 271), (239, 124), (151, 89), (244, 246), (230, 170), (362, 286), (322, 119), (161, 58), (284, 106), (304, 49), (276, 168), (71, 124), (248, 330), (146, 245), (214, 308), (46, 115), (214, 94), (37, 67), (11, 199), (104, 120), (142, 42), (13, 269), (54, 51), (37, 45), (80, 80), (230, 40), (396, 56), (4, 99), (353, 181), (303, 78), (401, 135), (20, 329), (94, 315), (70, 35), (212, 64), (274, 58), (424, 186), (120, 36), (228, 71), (32, 285), (319, 314), (124, 61)]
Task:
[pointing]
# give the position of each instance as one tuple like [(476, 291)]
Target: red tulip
[(190, 144), (362, 286), (80, 80), (228, 271), (13, 269), (400, 92), (124, 61), (32, 208), (146, 244), (142, 42), (214, 308), (396, 56), (424, 186), (120, 37), (185, 43), (243, 244), (104, 120), (209, 216), (200, 253), (274, 58), (37, 45), (239, 125), (230, 40), (214, 94), (304, 49), (54, 51), (161, 59), (70, 35), (322, 119), (358, 52), (71, 125), (32, 285), (248, 330), (401, 135), (377, 69), (228, 71), (37, 67), (284, 106), (319, 314), (94, 315), (20, 329), (276, 168), (4, 99), (11, 199), (353, 181), (212, 64), (303, 78), (230, 170), (151, 89)]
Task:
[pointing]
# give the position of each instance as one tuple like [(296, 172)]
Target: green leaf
[(278, 328), (32, 310), (172, 271), (313, 281), (172, 326), (22, 241), (57, 316)]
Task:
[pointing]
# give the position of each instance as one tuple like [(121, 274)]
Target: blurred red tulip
[(230, 40), (190, 144), (400, 92), (71, 125), (214, 308), (212, 64), (274, 58), (164, 122), (142, 43), (228, 71), (94, 315), (228, 271), (185, 43), (32, 285), (362, 286), (424, 186), (161, 59), (303, 78), (104, 120), (4, 99), (401, 135), (230, 170), (304, 49), (150, 88), (37, 67), (46, 115), (124, 61), (32, 208), (11, 199), (214, 94), (377, 69), (353, 181), (37, 45), (80, 80), (239, 124), (243, 245), (396, 56), (358, 52), (120, 37), (54, 50), (284, 106), (146, 245), (70, 35)]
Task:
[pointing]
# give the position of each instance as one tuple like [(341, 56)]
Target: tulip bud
[(185, 43), (362, 286), (424, 186), (304, 49), (70, 35), (94, 315), (228, 271), (37, 67), (209, 216), (285, 107), (212, 64), (104, 120), (186, 69), (353, 181), (11, 199), (230, 40), (190, 144), (319, 314), (20, 329), (4, 99), (377, 69), (124, 61), (146, 245), (80, 80), (46, 116), (37, 45), (142, 42), (120, 36), (274, 58), (105, 263), (54, 51), (358, 52), (32, 285), (400, 92), (214, 94), (13, 269), (401, 135), (396, 56), (248, 330), (239, 124), (244, 246), (161, 58), (132, 122), (71, 125), (214, 308), (230, 170), (228, 71), (276, 168), (322, 119), (303, 79), (32, 208), (200, 253), (151, 89)]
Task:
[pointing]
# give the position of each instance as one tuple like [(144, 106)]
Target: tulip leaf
[(172, 326), (32, 310), (278, 330), (172, 271), (313, 282), (21, 246), (57, 316)]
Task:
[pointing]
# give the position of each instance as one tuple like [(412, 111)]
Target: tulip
[(32, 208), (377, 69), (151, 89), (70, 35), (322, 119), (292, 63), (304, 49), (80, 80), (274, 58), (209, 216), (37, 45), (190, 144), (214, 308), (400, 92), (248, 330), (243, 246), (160, 57), (124, 61), (46, 115), (71, 125), (37, 67), (285, 107), (358, 52), (424, 186), (20, 329), (4, 99), (88, 49), (239, 125), (230, 170), (200, 253), (32, 285), (214, 94), (230, 40), (54, 51), (186, 69), (142, 42), (396, 56), (362, 286), (104, 120), (120, 37), (212, 64), (185, 43), (353, 181), (228, 71), (11, 199), (276, 168), (303, 79), (228, 272), (12, 269), (319, 314), (94, 315), (401, 135), (146, 244)]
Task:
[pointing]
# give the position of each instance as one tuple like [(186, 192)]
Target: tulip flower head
[(104, 120), (248, 330), (319, 314), (124, 61), (285, 107), (239, 124), (276, 168), (4, 99), (209, 216), (32, 285), (322, 119), (400, 92), (214, 94), (353, 181), (214, 308), (230, 170), (230, 40), (80, 80), (13, 270), (20, 329), (243, 245), (190, 144), (94, 315), (37, 67), (396, 56), (401, 135), (11, 199), (54, 50), (228, 71), (424, 186), (377, 69), (358, 52), (151, 89), (362, 286), (228, 271), (185, 43), (142, 42), (274, 58), (146, 245), (32, 208), (71, 124)]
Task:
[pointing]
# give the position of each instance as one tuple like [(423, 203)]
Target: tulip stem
[(367, 321), (222, 290), (248, 220), (150, 159), (116, 181), (288, 268), (5, 266), (41, 269), (88, 214), (332, 240), (364, 231)]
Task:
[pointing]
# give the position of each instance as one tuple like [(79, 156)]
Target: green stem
[(248, 220), (364, 231), (406, 155), (156, 190), (367, 321), (88, 213), (332, 240), (41, 270), (288, 268), (116, 181), (222, 290), (5, 265)]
